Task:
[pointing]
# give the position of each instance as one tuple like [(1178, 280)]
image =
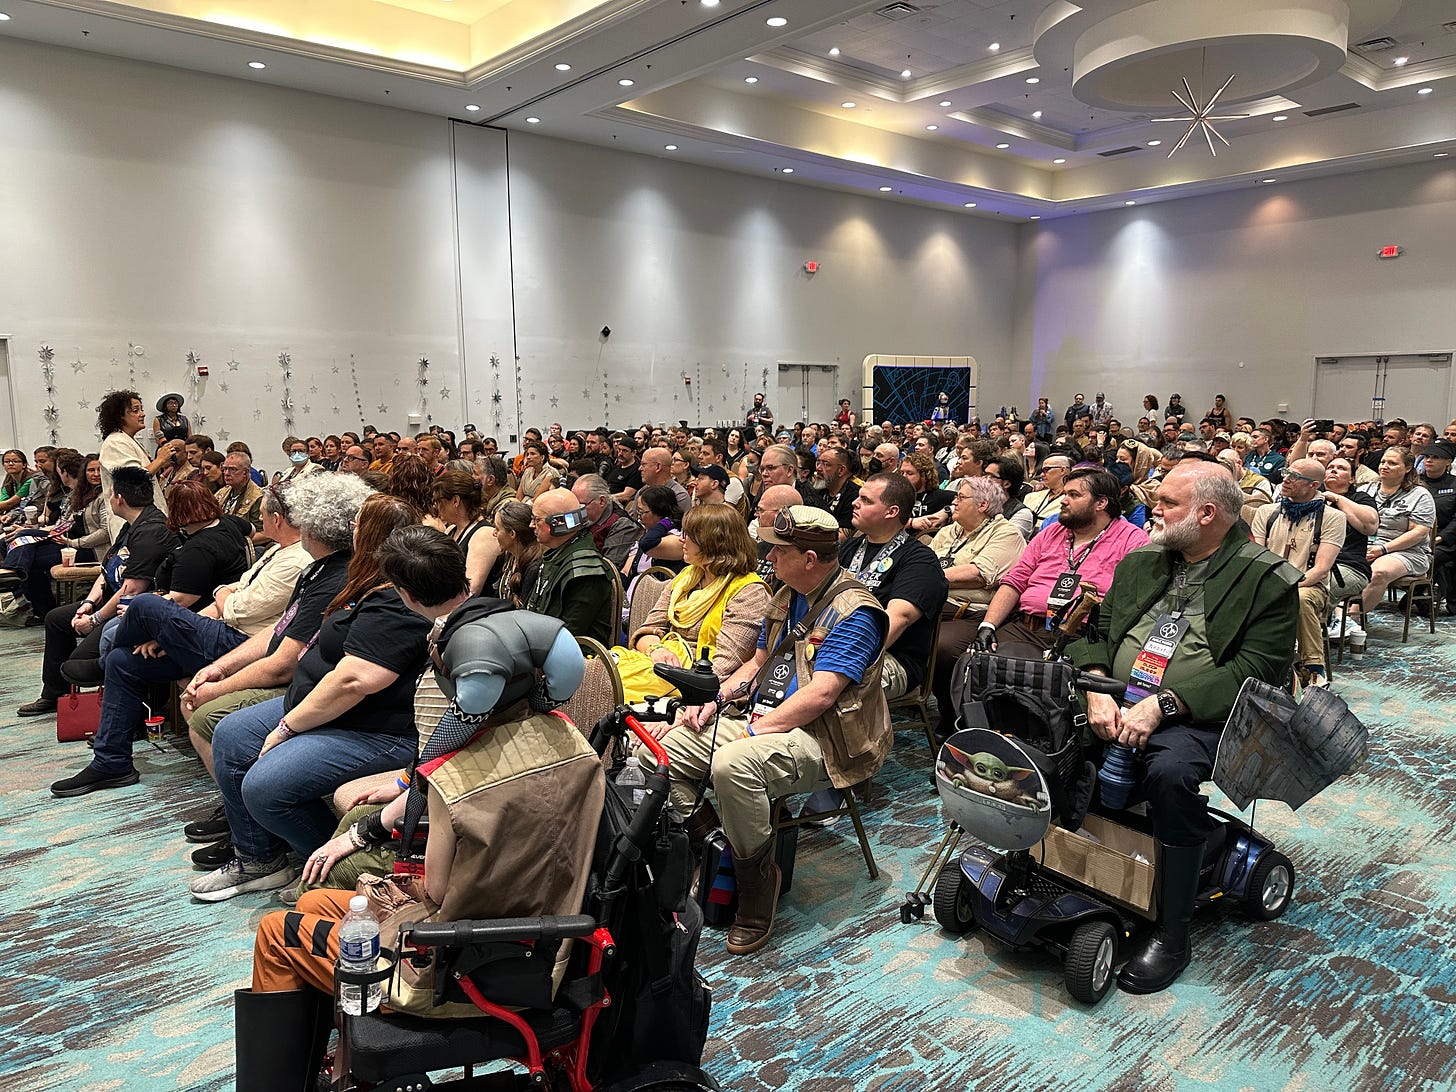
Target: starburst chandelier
[(1201, 117)]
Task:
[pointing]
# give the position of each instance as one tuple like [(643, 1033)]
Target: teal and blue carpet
[(116, 979)]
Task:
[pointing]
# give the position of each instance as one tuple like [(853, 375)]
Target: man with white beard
[(1186, 620)]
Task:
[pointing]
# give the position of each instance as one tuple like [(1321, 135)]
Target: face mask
[(298, 458), (876, 466)]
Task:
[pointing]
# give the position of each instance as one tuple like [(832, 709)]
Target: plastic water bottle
[(1117, 776), (633, 779), (358, 952)]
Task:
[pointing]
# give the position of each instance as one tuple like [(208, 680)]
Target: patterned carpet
[(121, 981)]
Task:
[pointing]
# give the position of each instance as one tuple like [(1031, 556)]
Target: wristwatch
[(1168, 704)]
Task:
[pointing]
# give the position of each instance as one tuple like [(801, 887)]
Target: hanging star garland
[(232, 365), (223, 387), (444, 392), (222, 434), (78, 365), (1201, 117)]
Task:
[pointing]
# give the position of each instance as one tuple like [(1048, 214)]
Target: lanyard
[(1073, 566), (966, 538), (1182, 592), (857, 565)]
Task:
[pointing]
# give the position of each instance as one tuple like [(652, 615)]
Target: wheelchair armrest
[(498, 931)]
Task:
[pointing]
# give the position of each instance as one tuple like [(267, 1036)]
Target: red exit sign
[(1391, 251)]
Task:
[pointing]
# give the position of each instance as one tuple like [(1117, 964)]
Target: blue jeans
[(191, 643), (33, 561), (277, 800)]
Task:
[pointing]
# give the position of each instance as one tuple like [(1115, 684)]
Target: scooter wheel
[(1091, 955), (952, 904), (1270, 888)]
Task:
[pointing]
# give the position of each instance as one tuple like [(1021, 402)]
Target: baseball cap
[(712, 470), (1440, 449), (802, 526)]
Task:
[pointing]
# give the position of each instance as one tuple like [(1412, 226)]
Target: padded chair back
[(646, 591), (601, 687)]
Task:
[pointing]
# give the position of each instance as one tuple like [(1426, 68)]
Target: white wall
[(700, 271), (181, 212), (1176, 295)]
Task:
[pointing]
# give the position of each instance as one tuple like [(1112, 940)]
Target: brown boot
[(758, 896), (701, 823)]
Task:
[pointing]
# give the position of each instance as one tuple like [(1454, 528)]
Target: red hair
[(191, 501)]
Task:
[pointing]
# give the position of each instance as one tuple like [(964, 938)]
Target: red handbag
[(78, 715)]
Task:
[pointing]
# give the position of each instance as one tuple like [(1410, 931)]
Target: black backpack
[(1036, 703)]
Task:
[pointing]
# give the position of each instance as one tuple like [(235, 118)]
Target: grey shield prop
[(992, 788), (1274, 748)]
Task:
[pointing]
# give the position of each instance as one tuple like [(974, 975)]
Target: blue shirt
[(848, 649)]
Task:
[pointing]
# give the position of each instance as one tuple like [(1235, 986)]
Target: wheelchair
[(631, 1014)]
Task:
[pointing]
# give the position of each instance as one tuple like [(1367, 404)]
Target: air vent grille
[(1323, 110), (1120, 151), (897, 11), (1376, 45)]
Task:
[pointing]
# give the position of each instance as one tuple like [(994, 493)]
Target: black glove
[(985, 638)]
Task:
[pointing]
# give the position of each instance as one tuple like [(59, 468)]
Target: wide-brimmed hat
[(162, 402), (804, 527)]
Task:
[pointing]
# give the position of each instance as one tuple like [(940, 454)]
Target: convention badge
[(1167, 631), (1063, 592), (882, 564)]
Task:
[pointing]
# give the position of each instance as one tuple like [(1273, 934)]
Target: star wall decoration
[(444, 392), (257, 415), (335, 369), (222, 434), (268, 387), (193, 359), (198, 420), (84, 404), (78, 366), (46, 354), (384, 407), (555, 401), (496, 398), (307, 409), (1201, 117), (585, 393), (223, 387), (146, 374), (232, 365)]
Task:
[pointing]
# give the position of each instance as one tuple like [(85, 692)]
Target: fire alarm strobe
[(202, 371), (811, 267), (1391, 252)]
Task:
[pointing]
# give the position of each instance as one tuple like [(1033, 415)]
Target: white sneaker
[(240, 876)]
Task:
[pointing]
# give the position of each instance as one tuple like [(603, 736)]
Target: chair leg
[(1410, 602), (859, 831)]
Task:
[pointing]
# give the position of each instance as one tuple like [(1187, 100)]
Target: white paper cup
[(68, 555)]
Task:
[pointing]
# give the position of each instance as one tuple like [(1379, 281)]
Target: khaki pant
[(893, 680), (747, 775), (1314, 614), (205, 718)]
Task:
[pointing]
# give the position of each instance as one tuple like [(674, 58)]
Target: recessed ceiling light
[(1400, 61), (904, 73), (886, 189), (994, 46), (1036, 114), (257, 64), (1154, 143), (1440, 155), (1033, 217), (777, 21), (471, 107), (931, 128), (750, 79), (533, 121), (1425, 90), (787, 170), (945, 102), (969, 205), (4, 18), (709, 3), (834, 51), (847, 105), (1281, 117), (669, 147), (562, 66), (1058, 160), (1267, 181), (1129, 202), (1003, 145), (625, 83), (1033, 79)]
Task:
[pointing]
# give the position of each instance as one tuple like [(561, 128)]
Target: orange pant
[(299, 947)]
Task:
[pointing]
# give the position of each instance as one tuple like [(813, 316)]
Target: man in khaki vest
[(808, 712)]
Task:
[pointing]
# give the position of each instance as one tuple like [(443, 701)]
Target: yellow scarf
[(689, 606)]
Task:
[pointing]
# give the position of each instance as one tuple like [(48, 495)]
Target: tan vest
[(854, 733)]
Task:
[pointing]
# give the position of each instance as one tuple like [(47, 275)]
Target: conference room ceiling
[(1012, 108)]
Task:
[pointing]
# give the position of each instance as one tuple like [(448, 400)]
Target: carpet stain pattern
[(118, 980)]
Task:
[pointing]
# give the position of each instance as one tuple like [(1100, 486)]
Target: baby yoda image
[(988, 774)]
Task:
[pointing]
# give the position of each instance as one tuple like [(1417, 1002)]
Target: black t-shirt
[(1352, 554), (839, 505), (317, 585), (914, 575), (619, 477), (1443, 492), (382, 630), (140, 548), (932, 501), (200, 562)]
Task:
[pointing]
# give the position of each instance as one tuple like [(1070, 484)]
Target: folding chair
[(919, 698), (782, 819)]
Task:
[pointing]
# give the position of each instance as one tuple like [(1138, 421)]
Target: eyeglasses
[(1291, 475)]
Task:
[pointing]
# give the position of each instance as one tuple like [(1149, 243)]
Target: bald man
[(771, 502), (576, 582), (656, 467)]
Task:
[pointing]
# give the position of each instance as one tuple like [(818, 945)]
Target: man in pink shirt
[(1083, 547)]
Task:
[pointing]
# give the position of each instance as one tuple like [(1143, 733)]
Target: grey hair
[(986, 491), (1217, 487), (494, 467), (594, 485), (461, 464), (784, 453), (323, 506), (245, 461)]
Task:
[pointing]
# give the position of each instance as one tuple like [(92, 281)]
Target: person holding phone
[(576, 582)]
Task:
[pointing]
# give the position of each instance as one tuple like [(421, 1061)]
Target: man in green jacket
[(576, 582), (1186, 620)]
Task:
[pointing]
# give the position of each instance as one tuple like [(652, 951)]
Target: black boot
[(701, 823), (280, 1039), (1166, 952)]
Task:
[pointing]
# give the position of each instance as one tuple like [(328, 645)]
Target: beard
[(819, 483), (1074, 521), (1177, 536)]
